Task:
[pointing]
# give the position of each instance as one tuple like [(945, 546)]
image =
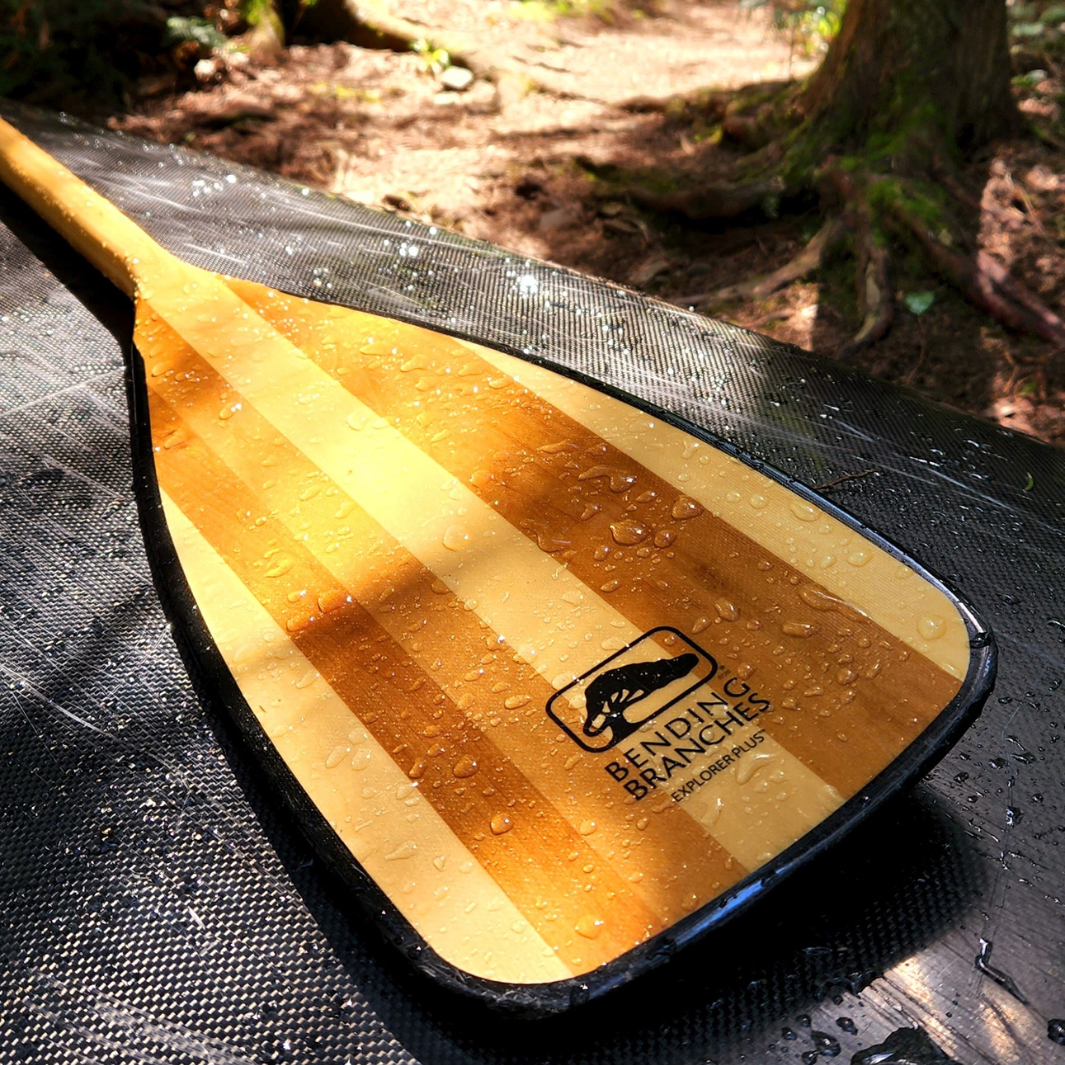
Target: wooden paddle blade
[(557, 674)]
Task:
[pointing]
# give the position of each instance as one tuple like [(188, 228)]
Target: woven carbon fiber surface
[(159, 908)]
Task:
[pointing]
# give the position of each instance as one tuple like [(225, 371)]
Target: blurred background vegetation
[(96, 50), (54, 49), (726, 183)]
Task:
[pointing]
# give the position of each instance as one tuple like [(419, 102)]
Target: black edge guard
[(217, 688)]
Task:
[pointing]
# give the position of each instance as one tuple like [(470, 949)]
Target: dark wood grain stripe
[(683, 867), (849, 695)]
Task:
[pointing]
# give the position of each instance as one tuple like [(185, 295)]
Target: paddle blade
[(547, 676)]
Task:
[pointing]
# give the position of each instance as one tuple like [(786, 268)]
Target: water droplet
[(404, 850), (417, 769), (572, 761), (803, 511), (480, 478), (847, 1025), (464, 767), (726, 610), (1056, 1031), (554, 449), (516, 702), (751, 766), (827, 1045), (629, 533), (500, 824), (586, 828), (685, 508), (280, 567), (589, 926), (859, 557), (820, 600), (797, 629), (758, 501), (356, 421), (332, 600), (932, 627), (664, 537), (619, 480), (456, 537), (336, 756), (699, 624), (610, 586)]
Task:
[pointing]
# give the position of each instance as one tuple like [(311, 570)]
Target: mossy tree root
[(724, 201), (980, 278), (877, 211)]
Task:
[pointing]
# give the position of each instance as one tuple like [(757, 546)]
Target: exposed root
[(986, 283), (704, 202), (876, 291), (862, 203), (759, 288)]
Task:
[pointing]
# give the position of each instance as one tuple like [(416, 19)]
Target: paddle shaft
[(98, 230)]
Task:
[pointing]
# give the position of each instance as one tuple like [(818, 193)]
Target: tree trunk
[(909, 73)]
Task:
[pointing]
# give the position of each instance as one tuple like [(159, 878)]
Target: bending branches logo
[(621, 694)]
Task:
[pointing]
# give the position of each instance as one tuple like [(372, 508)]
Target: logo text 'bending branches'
[(612, 701)]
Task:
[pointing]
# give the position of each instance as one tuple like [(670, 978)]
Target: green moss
[(920, 200)]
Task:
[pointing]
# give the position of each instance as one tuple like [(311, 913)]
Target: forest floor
[(519, 168)]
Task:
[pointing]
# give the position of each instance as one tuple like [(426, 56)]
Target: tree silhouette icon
[(615, 691)]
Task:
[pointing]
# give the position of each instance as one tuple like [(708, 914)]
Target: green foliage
[(809, 24), (435, 60), (199, 31), (1038, 26), (918, 302)]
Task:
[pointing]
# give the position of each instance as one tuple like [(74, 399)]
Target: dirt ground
[(519, 167)]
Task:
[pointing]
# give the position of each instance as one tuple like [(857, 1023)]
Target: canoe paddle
[(556, 683)]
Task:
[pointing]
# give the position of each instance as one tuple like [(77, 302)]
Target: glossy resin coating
[(556, 672), (556, 675)]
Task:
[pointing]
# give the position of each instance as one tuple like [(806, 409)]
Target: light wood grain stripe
[(398, 837), (806, 538), (673, 863), (514, 832), (442, 522), (527, 460)]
